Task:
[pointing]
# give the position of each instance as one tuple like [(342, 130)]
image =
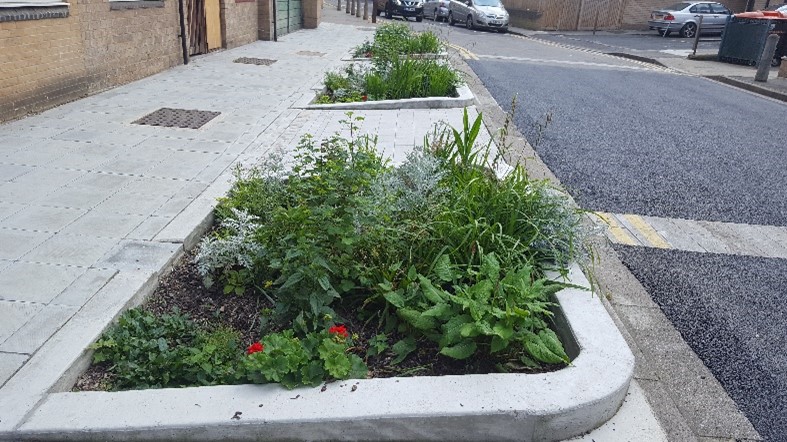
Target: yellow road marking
[(464, 52), (620, 234), (647, 231)]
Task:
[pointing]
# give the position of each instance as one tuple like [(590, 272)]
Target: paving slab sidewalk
[(93, 208)]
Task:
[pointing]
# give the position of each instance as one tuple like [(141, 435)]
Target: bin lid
[(765, 15)]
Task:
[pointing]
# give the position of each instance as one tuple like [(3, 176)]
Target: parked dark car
[(402, 8), (684, 18)]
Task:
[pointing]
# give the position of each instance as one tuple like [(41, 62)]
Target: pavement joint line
[(647, 231), (619, 233)]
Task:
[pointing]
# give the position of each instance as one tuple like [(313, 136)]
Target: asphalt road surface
[(731, 311), (650, 143), (633, 140), (649, 45)]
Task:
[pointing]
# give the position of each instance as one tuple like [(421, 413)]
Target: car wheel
[(502, 30), (451, 20), (388, 13), (420, 18), (665, 33), (776, 62), (689, 30), (469, 22)]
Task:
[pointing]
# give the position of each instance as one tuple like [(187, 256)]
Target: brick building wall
[(47, 62), (613, 14), (123, 45), (52, 55), (240, 22), (265, 19), (41, 64)]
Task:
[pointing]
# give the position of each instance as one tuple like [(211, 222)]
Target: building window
[(30, 3), (19, 10), (116, 5)]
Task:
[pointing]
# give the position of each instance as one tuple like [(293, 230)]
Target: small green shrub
[(292, 362), (395, 39), (486, 308), (146, 351)]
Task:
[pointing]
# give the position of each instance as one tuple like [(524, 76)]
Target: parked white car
[(488, 14)]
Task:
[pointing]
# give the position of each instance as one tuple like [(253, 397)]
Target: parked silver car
[(437, 9), (684, 18), (489, 14)]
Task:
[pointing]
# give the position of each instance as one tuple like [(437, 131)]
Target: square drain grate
[(182, 118), (255, 61), (310, 53)]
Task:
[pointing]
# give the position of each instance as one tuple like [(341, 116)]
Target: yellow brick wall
[(44, 63), (125, 45), (265, 19), (41, 64), (47, 62), (240, 22)]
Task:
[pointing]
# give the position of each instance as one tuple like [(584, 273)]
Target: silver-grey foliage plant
[(412, 186), (234, 247)]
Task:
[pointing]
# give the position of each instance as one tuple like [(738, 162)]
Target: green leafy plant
[(395, 39), (377, 345), (146, 351), (399, 69), (286, 359), (486, 308)]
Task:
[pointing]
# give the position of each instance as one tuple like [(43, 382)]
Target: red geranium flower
[(364, 98), (254, 348), (339, 330)]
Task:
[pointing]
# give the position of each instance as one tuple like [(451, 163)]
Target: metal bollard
[(358, 8), (764, 67), (338, 5), (347, 7), (374, 11), (352, 7), (365, 10), (696, 38), (595, 22)]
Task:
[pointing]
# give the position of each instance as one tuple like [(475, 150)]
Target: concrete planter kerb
[(522, 407), (464, 98)]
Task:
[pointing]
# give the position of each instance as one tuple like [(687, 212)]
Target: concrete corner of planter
[(464, 98), (523, 407)]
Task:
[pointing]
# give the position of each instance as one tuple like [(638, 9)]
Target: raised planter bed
[(440, 56), (524, 407), (464, 98)]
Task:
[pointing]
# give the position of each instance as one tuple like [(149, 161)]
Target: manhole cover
[(310, 53), (182, 118), (255, 61)]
